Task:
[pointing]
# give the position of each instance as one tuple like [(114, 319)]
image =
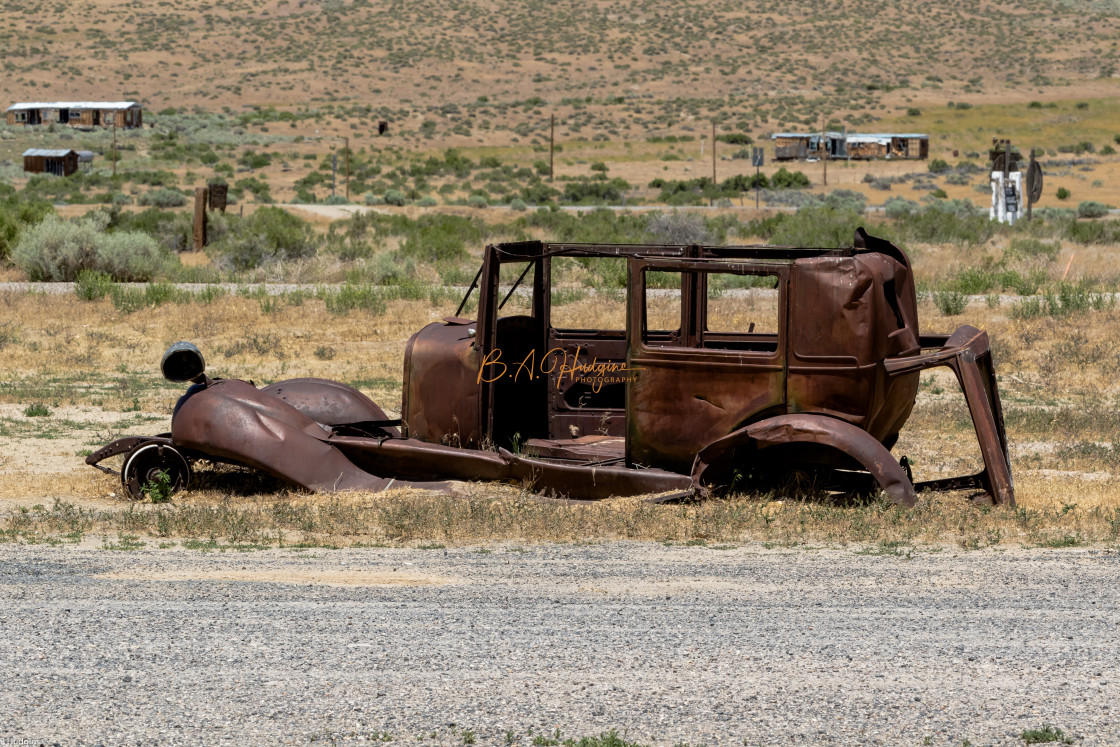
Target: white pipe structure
[(999, 209)]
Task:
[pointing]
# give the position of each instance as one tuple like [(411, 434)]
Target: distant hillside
[(616, 67)]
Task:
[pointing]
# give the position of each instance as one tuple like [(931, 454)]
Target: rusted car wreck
[(815, 373)]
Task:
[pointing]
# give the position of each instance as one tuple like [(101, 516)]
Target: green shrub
[(164, 198), (1065, 299), (1091, 209), (735, 138), (132, 256), (948, 221), (16, 214), (1054, 215), (816, 226), (253, 160), (1092, 231), (57, 250), (427, 201), (1063, 193), (603, 226), (395, 197), (353, 296), (92, 285), (173, 230), (950, 303), (595, 191), (259, 189), (439, 238), (938, 166), (128, 300), (268, 235), (845, 200), (744, 183), (783, 179), (913, 111), (899, 207), (678, 228), (477, 201), (1025, 246)]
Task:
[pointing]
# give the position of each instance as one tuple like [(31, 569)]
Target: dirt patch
[(313, 578)]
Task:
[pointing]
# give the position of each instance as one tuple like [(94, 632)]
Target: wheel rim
[(144, 464)]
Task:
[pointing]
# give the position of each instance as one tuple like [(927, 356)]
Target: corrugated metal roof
[(881, 139), (853, 136), (830, 133), (46, 152), (892, 134), (72, 105)]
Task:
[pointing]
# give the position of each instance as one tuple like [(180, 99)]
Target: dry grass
[(503, 514), (96, 369)]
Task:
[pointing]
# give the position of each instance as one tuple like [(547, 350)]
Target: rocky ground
[(665, 644)]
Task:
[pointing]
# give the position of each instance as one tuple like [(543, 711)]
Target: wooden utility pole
[(346, 140), (114, 143), (551, 144), (824, 148), (713, 154)]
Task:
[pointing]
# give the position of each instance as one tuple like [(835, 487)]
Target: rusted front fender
[(820, 430), (235, 422)]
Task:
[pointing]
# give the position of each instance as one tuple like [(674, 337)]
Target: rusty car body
[(725, 367)]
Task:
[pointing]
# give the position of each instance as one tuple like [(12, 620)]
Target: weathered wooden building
[(125, 114), (44, 161), (912, 146), (794, 146)]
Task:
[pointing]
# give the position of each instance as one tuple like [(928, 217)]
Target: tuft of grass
[(1045, 735), (124, 543), (950, 303), (92, 285), (37, 410)]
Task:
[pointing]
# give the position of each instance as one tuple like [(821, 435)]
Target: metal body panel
[(440, 402)]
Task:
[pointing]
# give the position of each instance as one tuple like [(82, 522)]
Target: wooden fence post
[(201, 195)]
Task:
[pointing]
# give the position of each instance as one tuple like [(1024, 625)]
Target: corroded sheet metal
[(233, 421), (824, 390)]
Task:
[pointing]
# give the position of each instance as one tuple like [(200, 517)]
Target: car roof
[(527, 250)]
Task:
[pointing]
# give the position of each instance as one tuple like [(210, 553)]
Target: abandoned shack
[(793, 146), (125, 114), (57, 162)]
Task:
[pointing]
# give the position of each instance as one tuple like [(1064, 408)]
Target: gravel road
[(668, 645)]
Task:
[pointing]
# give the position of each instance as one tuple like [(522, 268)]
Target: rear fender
[(804, 428)]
